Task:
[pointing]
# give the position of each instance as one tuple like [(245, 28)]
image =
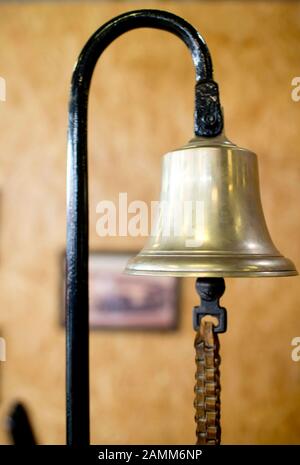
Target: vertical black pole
[(77, 314), (208, 123)]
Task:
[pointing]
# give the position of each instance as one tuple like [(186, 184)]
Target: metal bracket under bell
[(210, 290)]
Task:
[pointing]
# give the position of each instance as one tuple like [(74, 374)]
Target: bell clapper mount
[(207, 387)]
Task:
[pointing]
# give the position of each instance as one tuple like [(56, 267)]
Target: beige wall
[(141, 106)]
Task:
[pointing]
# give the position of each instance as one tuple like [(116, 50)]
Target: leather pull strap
[(207, 388)]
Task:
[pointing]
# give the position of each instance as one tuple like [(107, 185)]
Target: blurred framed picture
[(120, 301)]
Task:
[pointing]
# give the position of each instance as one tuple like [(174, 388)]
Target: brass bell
[(210, 221)]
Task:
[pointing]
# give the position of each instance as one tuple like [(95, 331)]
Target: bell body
[(210, 220)]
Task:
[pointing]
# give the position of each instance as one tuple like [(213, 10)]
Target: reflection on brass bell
[(210, 221)]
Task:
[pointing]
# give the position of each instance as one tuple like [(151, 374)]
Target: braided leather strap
[(207, 388)]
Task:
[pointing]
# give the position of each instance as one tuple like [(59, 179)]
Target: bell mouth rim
[(208, 265), (215, 274)]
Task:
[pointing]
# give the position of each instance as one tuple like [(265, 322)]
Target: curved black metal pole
[(208, 123)]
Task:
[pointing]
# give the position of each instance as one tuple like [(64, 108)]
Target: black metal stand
[(208, 123)]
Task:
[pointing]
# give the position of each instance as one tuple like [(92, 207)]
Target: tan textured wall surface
[(141, 106)]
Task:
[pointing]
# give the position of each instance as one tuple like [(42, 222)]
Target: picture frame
[(123, 302)]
